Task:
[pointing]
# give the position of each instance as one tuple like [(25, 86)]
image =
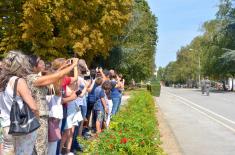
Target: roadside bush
[(155, 88), (132, 131)]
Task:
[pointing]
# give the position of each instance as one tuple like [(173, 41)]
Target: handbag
[(55, 115), (53, 130), (54, 104), (23, 121)]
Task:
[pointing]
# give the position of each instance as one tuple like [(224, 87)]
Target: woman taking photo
[(38, 86)]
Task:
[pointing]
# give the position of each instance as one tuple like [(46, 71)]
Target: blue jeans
[(119, 104), (75, 144), (84, 111), (116, 102), (62, 128)]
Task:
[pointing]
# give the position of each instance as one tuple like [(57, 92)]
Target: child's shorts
[(99, 115)]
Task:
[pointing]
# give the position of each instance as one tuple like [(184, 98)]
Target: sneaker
[(79, 148)]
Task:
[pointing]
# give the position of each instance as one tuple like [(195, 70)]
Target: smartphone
[(70, 61), (87, 77), (78, 92)]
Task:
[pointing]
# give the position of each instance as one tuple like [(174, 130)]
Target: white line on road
[(207, 110), (190, 103)]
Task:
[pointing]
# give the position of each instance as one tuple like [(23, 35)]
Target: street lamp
[(199, 67)]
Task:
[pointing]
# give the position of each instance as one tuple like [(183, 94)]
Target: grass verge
[(132, 131)]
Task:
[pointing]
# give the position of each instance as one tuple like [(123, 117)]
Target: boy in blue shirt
[(100, 107)]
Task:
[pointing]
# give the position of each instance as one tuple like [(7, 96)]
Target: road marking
[(216, 120), (207, 110), (190, 103)]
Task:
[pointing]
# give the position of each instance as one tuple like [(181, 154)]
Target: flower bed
[(132, 131)]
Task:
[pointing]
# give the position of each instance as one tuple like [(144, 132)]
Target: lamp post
[(199, 68)]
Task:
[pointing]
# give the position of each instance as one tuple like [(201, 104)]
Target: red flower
[(124, 140)]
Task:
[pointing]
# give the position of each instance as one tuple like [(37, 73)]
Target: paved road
[(202, 125)]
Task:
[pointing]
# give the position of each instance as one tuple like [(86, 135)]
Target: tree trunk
[(224, 87), (232, 84)]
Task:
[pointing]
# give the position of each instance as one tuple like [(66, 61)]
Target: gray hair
[(14, 64)]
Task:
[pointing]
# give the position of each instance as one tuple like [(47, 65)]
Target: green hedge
[(132, 131), (154, 88)]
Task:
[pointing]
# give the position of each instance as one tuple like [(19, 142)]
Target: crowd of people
[(66, 98)]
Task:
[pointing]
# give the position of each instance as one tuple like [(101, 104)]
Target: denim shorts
[(99, 115)]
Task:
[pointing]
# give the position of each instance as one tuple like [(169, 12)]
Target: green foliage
[(132, 131), (123, 32), (155, 88), (135, 48), (50, 28)]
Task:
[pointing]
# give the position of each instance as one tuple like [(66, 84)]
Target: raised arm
[(102, 74), (52, 78), (75, 74)]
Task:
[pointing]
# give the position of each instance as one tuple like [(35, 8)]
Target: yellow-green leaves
[(50, 27)]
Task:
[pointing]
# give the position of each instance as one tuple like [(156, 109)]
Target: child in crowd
[(100, 107), (107, 86)]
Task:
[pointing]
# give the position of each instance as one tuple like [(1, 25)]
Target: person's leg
[(110, 106), (99, 121), (64, 139), (89, 111), (8, 147), (115, 105), (84, 111), (119, 103), (75, 144), (207, 91), (63, 123), (98, 128), (93, 120), (52, 147), (70, 139), (42, 137), (24, 145)]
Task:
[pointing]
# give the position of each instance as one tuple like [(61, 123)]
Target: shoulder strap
[(15, 88)]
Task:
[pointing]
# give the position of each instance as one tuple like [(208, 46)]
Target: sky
[(179, 21)]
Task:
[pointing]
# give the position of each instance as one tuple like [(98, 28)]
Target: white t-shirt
[(6, 100)]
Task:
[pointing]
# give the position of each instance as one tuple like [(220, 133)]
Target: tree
[(51, 28), (136, 46)]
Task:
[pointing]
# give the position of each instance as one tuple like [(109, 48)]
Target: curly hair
[(107, 85), (14, 64)]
